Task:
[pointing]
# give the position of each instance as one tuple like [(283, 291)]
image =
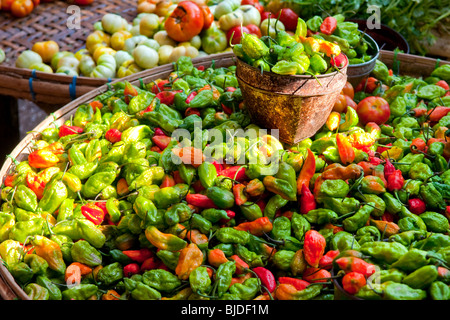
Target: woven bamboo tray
[(48, 21), (8, 287)]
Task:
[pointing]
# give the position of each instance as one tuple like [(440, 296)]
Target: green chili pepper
[(82, 291), (223, 278), (400, 291), (388, 252)]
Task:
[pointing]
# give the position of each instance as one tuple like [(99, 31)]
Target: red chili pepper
[(299, 284), (436, 114), (47, 156), (201, 68), (307, 171), (93, 213), (200, 200), (131, 269), (313, 247), (328, 25), (443, 84), (230, 214), (191, 96), (389, 169), (167, 97), (113, 135), (161, 141), (239, 195), (190, 111), (160, 86), (312, 274), (129, 92), (267, 278), (241, 265), (339, 60), (159, 132), (234, 172), (381, 149), (418, 145), (395, 181), (389, 217), (417, 206), (307, 200), (327, 259), (150, 264), (66, 130), (354, 264), (177, 178), (226, 109), (167, 181), (218, 166), (443, 273), (419, 111), (139, 255), (375, 160), (352, 282)]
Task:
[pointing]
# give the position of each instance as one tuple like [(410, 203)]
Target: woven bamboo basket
[(48, 21), (9, 289)]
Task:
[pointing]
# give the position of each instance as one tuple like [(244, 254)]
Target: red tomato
[(373, 109), (443, 84), (348, 90), (254, 29), (236, 33), (208, 17), (341, 104), (83, 2), (350, 102), (185, 22), (289, 18), (266, 14)]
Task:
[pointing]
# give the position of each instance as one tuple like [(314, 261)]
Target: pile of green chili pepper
[(344, 33), (288, 54), (110, 205)]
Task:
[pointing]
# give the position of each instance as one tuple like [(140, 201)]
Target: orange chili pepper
[(216, 257), (190, 258), (307, 171), (256, 227), (353, 282), (345, 149), (111, 295), (195, 236), (190, 155)]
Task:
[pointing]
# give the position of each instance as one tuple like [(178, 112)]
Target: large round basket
[(51, 21), (9, 289)]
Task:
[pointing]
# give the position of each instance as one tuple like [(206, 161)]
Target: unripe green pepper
[(422, 277), (222, 198), (400, 291), (246, 290), (36, 292), (161, 280), (359, 219), (275, 203), (110, 274), (199, 280), (83, 252), (82, 291), (439, 290), (231, 235), (388, 252)]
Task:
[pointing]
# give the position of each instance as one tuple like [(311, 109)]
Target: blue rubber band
[(30, 84), (73, 88)]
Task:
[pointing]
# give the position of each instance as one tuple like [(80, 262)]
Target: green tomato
[(2, 56), (86, 66), (164, 53), (67, 71), (145, 57), (58, 56), (229, 20), (98, 26), (251, 15), (151, 43), (112, 23), (106, 67), (149, 25), (225, 7), (214, 40), (271, 27), (131, 43), (27, 58), (69, 61), (163, 38), (122, 56), (40, 66)]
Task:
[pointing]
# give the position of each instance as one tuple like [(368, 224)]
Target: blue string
[(73, 88), (30, 83)]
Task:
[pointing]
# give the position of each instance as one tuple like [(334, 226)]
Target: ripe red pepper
[(299, 284), (47, 156), (354, 264), (139, 255), (239, 195), (327, 259), (167, 97), (389, 169), (443, 84), (395, 181), (131, 269), (150, 264), (161, 86), (267, 278), (241, 265), (307, 171), (161, 141), (345, 149), (313, 247), (200, 200), (159, 132), (307, 200), (191, 96), (190, 111), (66, 130), (328, 25), (436, 114), (234, 172), (167, 181), (338, 61), (230, 214), (113, 135), (129, 92), (93, 213), (352, 282), (418, 145), (312, 274), (417, 206)]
